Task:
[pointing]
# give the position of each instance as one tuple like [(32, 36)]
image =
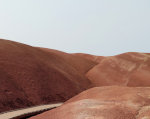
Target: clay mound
[(128, 69), (94, 58), (110, 102), (31, 76)]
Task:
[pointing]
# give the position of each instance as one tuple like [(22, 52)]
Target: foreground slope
[(31, 76), (110, 102)]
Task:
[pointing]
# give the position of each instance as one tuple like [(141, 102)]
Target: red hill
[(128, 69), (32, 76)]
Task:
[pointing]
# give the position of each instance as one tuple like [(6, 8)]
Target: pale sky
[(100, 27)]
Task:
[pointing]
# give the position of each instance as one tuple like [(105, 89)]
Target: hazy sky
[(101, 27)]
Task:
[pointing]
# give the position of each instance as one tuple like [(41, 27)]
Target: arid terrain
[(89, 86)]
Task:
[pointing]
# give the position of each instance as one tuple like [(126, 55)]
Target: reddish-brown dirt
[(107, 102), (32, 76), (81, 64), (128, 69)]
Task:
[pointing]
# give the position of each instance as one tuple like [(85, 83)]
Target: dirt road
[(16, 113)]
